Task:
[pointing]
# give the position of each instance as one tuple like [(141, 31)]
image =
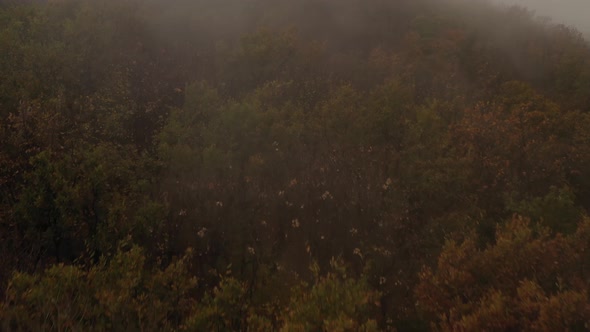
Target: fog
[(328, 165), (570, 12)]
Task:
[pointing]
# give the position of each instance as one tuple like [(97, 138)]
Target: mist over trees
[(278, 165), (569, 12)]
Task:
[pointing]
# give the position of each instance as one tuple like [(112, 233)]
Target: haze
[(294, 165), (569, 12)]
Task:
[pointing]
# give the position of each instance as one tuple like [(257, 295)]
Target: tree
[(120, 293), (527, 280)]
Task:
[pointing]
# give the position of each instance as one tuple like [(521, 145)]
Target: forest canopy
[(279, 165)]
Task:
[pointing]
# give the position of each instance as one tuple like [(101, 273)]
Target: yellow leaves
[(387, 183), (327, 195), (508, 285), (357, 252), (115, 294), (201, 233), (256, 160), (529, 294), (492, 313), (334, 302)]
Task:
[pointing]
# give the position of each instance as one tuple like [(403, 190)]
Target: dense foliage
[(310, 165)]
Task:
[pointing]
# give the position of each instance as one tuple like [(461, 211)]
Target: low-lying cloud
[(570, 12)]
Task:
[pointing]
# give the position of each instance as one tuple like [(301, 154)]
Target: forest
[(281, 165)]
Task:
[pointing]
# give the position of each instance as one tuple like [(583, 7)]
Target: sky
[(569, 12)]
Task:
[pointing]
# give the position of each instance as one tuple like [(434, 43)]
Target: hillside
[(312, 165), (568, 12)]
